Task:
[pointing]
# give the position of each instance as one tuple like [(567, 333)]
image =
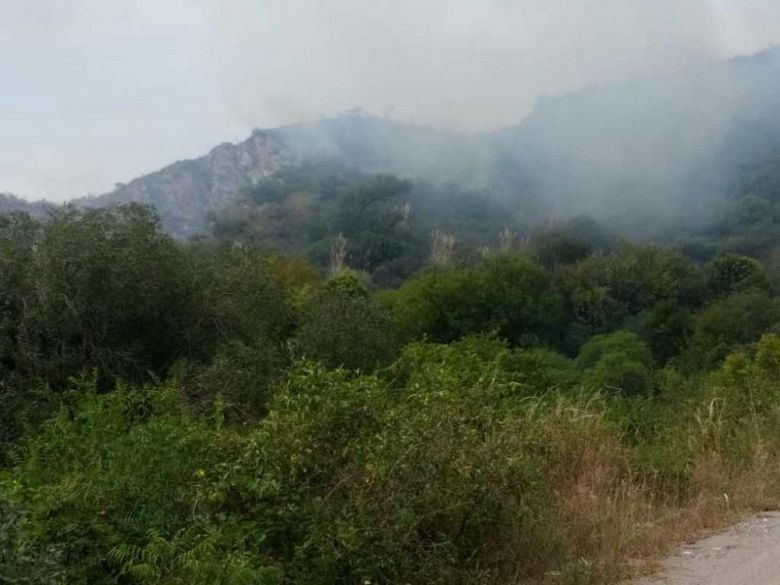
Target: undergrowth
[(447, 467)]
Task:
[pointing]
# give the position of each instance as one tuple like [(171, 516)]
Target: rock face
[(185, 192)]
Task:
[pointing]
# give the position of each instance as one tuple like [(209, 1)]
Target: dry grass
[(620, 522)]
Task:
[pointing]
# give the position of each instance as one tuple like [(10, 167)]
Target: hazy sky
[(98, 91)]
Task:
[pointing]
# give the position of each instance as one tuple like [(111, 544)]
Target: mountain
[(654, 151), (375, 144), (185, 192), (642, 155)]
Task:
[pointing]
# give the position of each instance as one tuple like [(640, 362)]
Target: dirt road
[(748, 554)]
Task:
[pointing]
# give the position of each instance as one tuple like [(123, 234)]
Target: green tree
[(540, 369), (507, 294), (569, 242), (22, 399), (729, 323), (238, 379), (605, 290), (241, 313), (237, 296), (106, 291), (729, 273), (667, 328)]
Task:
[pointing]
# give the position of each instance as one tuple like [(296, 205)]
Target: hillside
[(652, 153), (184, 192), (647, 156), (361, 377), (182, 412), (652, 157)]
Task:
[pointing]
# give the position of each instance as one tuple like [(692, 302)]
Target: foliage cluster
[(213, 412), (447, 468)]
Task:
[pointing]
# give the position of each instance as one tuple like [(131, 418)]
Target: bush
[(239, 380), (667, 328), (448, 472), (443, 482), (464, 362), (540, 369), (605, 290), (236, 297), (117, 487), (346, 480), (343, 327), (507, 294), (569, 242), (479, 358), (616, 361)]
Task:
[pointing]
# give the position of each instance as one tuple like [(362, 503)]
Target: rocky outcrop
[(185, 192)]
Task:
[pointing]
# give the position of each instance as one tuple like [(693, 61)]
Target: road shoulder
[(747, 554)]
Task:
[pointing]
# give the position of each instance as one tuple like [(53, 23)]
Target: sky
[(94, 92)]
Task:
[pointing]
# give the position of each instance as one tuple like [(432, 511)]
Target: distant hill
[(186, 192), (12, 204), (642, 155)]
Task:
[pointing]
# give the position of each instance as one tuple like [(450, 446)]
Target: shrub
[(113, 484), (346, 480), (444, 482), (540, 369), (569, 242), (106, 291), (343, 327), (616, 361), (236, 297), (605, 290), (463, 362), (240, 377), (667, 328), (507, 294)]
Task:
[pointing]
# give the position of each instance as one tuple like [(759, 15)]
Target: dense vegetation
[(386, 220), (518, 405)]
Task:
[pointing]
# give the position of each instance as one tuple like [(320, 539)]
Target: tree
[(667, 328), (238, 380), (237, 296), (507, 294), (569, 242), (106, 291), (605, 290), (727, 324), (730, 273)]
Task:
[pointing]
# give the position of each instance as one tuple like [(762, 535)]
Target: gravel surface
[(748, 554)]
